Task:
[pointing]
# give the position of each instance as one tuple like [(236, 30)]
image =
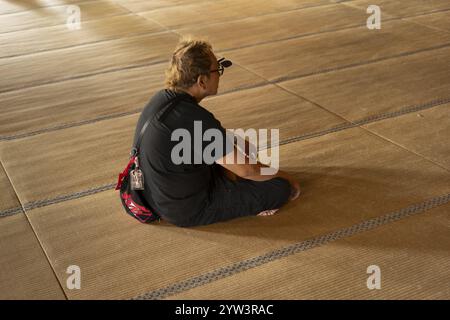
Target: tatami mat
[(67, 63), (145, 5), (57, 157), (381, 87), (60, 36), (412, 255), (402, 8), (25, 271), (57, 15), (110, 93), (208, 12), (347, 177), (440, 20), (311, 68), (279, 26), (425, 132), (58, 161), (8, 198), (25, 5), (259, 108), (341, 48)]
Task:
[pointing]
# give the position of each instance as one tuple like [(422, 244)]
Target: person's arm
[(252, 171)]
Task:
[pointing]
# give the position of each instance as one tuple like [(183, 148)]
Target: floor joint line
[(289, 250)]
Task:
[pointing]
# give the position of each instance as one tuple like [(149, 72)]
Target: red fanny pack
[(131, 180), (132, 200)]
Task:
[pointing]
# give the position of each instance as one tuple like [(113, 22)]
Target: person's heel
[(267, 212)]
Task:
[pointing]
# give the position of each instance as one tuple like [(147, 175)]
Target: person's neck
[(194, 93)]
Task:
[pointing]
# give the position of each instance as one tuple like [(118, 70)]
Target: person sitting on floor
[(199, 193)]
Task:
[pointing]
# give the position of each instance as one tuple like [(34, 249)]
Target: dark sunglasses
[(222, 65)]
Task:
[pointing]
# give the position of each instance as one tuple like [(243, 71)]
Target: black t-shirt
[(177, 191)]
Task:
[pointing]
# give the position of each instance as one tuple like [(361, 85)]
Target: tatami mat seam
[(280, 79), (336, 4), (258, 84), (375, 118), (389, 19), (300, 36), (81, 45), (274, 255), (304, 35), (75, 195), (264, 82), (300, 9), (86, 75), (52, 6), (22, 209), (357, 123), (349, 125), (351, 5), (14, 210), (362, 63), (173, 31), (292, 249), (425, 25), (143, 12), (379, 136), (251, 16), (344, 125), (10, 212), (58, 24), (81, 1), (164, 7), (127, 9), (87, 44), (223, 22), (370, 119), (69, 125)]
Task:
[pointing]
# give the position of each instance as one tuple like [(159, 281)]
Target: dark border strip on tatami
[(138, 13), (263, 82), (358, 64), (62, 198), (113, 116), (289, 250), (174, 31), (68, 125), (257, 84), (10, 212), (403, 111), (367, 120)]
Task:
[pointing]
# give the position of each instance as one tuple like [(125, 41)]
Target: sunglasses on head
[(222, 65)]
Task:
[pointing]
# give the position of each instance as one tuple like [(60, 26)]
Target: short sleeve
[(217, 141), (197, 137)]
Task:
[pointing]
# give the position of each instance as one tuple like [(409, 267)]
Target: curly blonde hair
[(190, 59)]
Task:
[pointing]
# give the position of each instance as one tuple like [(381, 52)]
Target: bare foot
[(295, 191), (267, 212)]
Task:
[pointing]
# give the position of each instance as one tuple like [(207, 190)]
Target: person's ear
[(201, 81)]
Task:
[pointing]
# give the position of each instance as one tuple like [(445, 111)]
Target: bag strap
[(135, 149)]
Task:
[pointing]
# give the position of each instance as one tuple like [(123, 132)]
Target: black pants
[(232, 199)]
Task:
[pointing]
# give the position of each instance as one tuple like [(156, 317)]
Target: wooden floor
[(364, 119)]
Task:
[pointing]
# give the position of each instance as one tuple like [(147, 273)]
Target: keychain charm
[(136, 177)]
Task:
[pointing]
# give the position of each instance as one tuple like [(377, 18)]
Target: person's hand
[(295, 190)]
